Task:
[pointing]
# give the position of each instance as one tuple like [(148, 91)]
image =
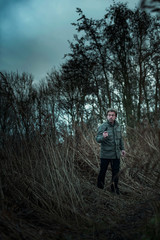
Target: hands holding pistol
[(105, 134)]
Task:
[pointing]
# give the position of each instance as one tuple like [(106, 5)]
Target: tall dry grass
[(49, 191)]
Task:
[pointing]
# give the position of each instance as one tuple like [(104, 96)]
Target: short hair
[(112, 110)]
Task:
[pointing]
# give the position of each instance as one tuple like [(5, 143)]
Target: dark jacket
[(112, 145)]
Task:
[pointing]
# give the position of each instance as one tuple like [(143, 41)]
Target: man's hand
[(123, 153), (105, 134)]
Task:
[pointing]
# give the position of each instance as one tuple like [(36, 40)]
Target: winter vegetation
[(49, 157)]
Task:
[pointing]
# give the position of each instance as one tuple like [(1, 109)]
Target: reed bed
[(48, 191)]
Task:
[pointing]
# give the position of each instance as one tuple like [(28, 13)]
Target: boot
[(117, 191), (117, 188), (112, 188)]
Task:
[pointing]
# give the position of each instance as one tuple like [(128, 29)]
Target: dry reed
[(49, 191)]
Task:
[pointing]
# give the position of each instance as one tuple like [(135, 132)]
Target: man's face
[(111, 116)]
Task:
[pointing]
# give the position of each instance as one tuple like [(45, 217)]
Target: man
[(110, 137)]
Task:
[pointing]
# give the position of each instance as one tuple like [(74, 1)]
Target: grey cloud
[(34, 34)]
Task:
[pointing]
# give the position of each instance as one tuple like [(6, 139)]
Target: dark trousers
[(115, 165)]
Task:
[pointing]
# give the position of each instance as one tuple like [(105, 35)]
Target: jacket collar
[(115, 123)]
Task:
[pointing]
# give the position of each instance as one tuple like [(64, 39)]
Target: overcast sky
[(34, 34)]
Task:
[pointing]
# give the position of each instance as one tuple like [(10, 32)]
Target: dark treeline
[(113, 62)]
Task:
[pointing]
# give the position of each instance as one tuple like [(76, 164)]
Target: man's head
[(111, 115)]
